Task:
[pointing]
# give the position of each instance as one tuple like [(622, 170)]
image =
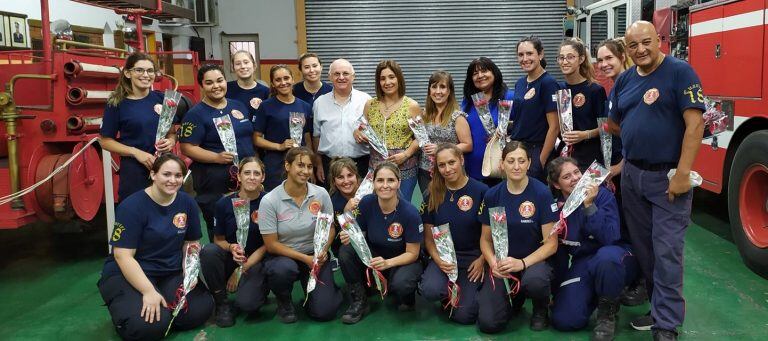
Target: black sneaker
[(643, 322), (285, 310), (225, 315), (664, 335)]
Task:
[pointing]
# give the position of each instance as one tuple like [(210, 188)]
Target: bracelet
[(524, 266)]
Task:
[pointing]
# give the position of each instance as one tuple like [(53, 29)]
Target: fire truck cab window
[(598, 30), (620, 20)]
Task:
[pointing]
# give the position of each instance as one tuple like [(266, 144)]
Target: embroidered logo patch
[(530, 93), (395, 230), (527, 209), (465, 203), (118, 231), (255, 102), (650, 96), (315, 207), (237, 114), (255, 217), (579, 100), (158, 108), (180, 220)]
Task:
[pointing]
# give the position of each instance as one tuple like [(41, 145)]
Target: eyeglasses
[(339, 74), (569, 58), (141, 71)]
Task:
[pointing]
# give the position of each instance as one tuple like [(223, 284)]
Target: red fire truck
[(725, 41), (51, 111)]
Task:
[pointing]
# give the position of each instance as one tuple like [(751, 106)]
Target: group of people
[(654, 109)]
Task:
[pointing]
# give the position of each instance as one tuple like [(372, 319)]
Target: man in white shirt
[(335, 117)]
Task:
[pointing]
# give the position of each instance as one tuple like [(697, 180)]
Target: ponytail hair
[(618, 49), (124, 87), (437, 187)]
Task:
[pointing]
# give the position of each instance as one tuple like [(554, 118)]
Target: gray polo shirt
[(294, 225)]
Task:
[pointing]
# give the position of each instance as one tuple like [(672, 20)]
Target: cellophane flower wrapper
[(481, 105), (420, 133), (167, 113), (606, 142), (595, 174), (565, 115), (447, 253), (505, 108), (500, 239), (374, 140), (695, 177), (227, 135), (296, 122), (715, 120), (242, 210), (348, 224), (366, 186), (191, 269), (322, 233)]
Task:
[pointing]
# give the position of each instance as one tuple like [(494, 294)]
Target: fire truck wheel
[(748, 201)]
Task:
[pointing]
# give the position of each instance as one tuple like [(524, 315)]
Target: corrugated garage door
[(425, 35)]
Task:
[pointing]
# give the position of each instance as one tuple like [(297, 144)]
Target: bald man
[(335, 114), (658, 106)]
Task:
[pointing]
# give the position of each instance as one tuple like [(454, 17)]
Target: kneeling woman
[(455, 199), (140, 277), (530, 214), (287, 216), (219, 259), (599, 264), (393, 231)]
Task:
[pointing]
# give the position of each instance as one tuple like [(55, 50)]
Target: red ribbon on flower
[(499, 218), (233, 171), (567, 151), (561, 226), (314, 271), (179, 294), (513, 290), (381, 277), (454, 293)]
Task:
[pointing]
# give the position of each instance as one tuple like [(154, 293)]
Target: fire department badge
[(650, 96), (255, 102), (579, 100), (530, 93), (158, 108), (527, 209), (237, 114), (255, 217), (180, 220), (315, 207), (465, 203), (395, 230)]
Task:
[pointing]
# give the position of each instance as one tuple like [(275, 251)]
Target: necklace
[(458, 189)]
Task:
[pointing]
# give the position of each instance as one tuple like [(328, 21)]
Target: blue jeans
[(407, 186)]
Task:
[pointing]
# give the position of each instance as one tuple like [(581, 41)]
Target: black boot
[(635, 294), (407, 303), (606, 319), (285, 309), (225, 315), (540, 316), (359, 305)]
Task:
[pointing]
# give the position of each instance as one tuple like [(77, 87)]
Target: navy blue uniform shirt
[(462, 215), (339, 202), (157, 233), (649, 110), (588, 103), (301, 93), (526, 213), (388, 234), (224, 223), (234, 91), (198, 128), (532, 102), (133, 123), (271, 120)]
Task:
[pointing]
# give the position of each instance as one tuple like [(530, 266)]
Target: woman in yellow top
[(388, 115)]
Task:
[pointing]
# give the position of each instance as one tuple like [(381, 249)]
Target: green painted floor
[(48, 291)]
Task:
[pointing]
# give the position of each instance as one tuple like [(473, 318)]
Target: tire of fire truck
[(748, 201)]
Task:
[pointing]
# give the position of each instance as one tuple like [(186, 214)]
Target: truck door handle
[(717, 51)]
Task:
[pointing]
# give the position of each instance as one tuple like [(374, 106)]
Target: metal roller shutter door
[(424, 36)]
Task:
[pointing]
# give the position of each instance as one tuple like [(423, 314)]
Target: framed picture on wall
[(3, 40), (18, 32)]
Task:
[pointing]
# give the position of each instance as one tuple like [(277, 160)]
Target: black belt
[(654, 167)]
